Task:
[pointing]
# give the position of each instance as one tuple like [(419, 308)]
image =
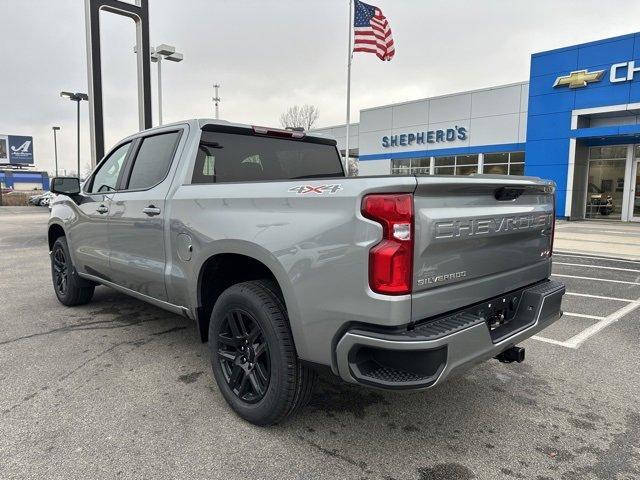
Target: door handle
[(102, 209), (151, 210)]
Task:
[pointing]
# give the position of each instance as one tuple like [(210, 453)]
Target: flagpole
[(349, 58)]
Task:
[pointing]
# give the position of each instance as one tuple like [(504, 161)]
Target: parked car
[(287, 266), (46, 199), (42, 199), (600, 200), (37, 200)]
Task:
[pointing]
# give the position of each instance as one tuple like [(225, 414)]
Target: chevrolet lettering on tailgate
[(486, 226)]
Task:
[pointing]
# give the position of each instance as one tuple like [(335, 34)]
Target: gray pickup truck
[(287, 266)]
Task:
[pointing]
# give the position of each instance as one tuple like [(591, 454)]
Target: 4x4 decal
[(317, 189)]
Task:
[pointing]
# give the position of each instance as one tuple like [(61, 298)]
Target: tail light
[(391, 260)]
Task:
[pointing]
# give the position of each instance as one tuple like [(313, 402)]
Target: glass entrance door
[(635, 192), (605, 182)]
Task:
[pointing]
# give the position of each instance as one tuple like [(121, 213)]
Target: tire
[(255, 363), (70, 288)]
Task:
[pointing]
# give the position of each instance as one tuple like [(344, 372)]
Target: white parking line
[(555, 254), (594, 279), (601, 322), (552, 341), (582, 315), (623, 232), (578, 339), (599, 296), (598, 266)]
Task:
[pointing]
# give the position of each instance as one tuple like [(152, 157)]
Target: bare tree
[(304, 116), (352, 168)]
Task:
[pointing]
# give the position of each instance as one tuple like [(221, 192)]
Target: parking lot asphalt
[(121, 389)]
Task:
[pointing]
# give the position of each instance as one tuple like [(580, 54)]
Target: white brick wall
[(491, 116)]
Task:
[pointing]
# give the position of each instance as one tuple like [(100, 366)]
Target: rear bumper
[(424, 356)]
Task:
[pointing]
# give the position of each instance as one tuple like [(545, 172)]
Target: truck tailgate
[(477, 237)]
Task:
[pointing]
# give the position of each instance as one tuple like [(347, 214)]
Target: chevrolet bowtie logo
[(579, 78)]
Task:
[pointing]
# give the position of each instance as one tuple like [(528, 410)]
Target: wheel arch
[(54, 232), (234, 262)]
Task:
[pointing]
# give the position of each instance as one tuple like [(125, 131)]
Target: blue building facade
[(583, 124), (24, 179), (575, 121)]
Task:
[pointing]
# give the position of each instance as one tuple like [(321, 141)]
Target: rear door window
[(227, 157), (153, 160)]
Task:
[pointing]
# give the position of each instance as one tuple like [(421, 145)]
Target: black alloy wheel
[(243, 354), (61, 270), (253, 354), (69, 287)]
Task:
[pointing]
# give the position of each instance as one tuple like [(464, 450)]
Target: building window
[(504, 163), (615, 152), (401, 166), (410, 166), (466, 164), (421, 166), (458, 165), (444, 165)]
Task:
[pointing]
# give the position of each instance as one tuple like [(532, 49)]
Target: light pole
[(55, 146), (76, 97), (216, 99), (167, 52)]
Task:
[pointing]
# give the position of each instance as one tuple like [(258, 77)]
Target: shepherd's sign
[(431, 136)]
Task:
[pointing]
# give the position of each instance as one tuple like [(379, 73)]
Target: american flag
[(372, 32)]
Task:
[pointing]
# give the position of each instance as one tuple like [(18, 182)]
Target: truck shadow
[(333, 401), (445, 432)]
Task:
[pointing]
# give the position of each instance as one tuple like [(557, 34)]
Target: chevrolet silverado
[(287, 266)]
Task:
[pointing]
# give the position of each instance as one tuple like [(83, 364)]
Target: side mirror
[(65, 185)]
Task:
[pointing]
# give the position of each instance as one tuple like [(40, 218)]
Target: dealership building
[(576, 122)]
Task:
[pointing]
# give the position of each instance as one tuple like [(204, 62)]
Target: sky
[(271, 54)]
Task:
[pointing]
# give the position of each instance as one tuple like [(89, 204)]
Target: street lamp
[(55, 146), (167, 52), (76, 97), (216, 99)]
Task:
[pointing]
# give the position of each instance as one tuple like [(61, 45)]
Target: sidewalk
[(7, 210), (600, 238)]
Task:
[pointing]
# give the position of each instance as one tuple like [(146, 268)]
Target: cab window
[(106, 178), (153, 160), (228, 157)]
